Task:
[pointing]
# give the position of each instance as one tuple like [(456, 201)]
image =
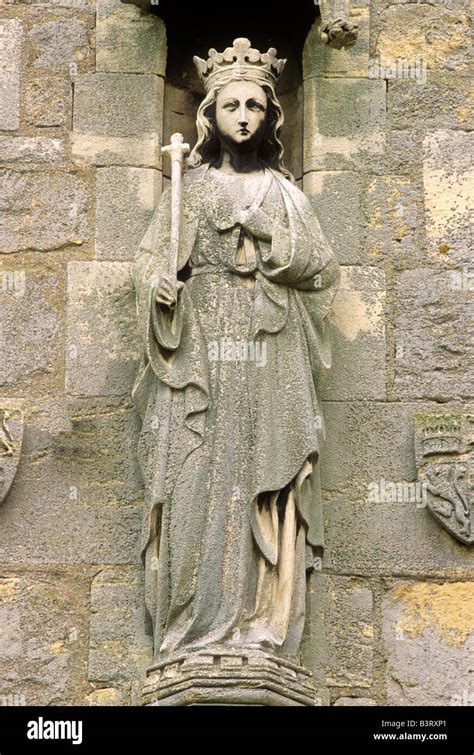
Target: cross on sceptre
[(176, 150)]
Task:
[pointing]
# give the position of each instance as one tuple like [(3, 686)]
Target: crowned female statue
[(228, 386)]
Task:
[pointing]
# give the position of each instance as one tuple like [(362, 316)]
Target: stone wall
[(386, 164)]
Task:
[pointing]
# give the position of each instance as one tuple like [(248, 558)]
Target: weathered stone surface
[(118, 105), (448, 178), (374, 439), (445, 100), (354, 701), (42, 211), (43, 635), (344, 123), (103, 344), (78, 5), (77, 497), (29, 150), (129, 40), (322, 60), (358, 337), (125, 198), (58, 44), (48, 101), (434, 320), (107, 150), (439, 35), (179, 114), (119, 646), (118, 120), (395, 217), (347, 652), (390, 538), (30, 328), (97, 451), (429, 643), (11, 44), (336, 198), (404, 152), (106, 696), (292, 134)]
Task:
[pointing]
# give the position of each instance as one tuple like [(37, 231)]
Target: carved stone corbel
[(337, 30)]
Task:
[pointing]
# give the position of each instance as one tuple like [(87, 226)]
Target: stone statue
[(228, 386)]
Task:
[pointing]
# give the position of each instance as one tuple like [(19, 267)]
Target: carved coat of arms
[(444, 450), (11, 438)]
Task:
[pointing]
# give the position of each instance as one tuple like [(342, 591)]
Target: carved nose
[(243, 119)]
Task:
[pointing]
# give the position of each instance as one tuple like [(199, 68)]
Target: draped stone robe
[(227, 392)]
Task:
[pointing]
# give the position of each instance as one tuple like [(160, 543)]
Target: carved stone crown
[(239, 62), (441, 434)]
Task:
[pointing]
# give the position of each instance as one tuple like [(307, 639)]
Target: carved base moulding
[(230, 677)]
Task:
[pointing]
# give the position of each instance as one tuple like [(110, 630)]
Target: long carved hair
[(207, 148)]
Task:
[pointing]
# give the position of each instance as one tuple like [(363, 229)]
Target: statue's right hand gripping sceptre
[(167, 290)]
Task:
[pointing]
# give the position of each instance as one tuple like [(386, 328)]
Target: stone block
[(344, 124), (434, 320), (105, 696), (97, 451), (395, 220), (369, 538), (114, 150), (336, 198), (448, 179), (125, 199), (357, 329), (179, 115), (321, 60), (77, 496), (11, 45), (292, 133), (120, 649), (128, 40), (43, 635), (429, 643), (42, 211), (439, 36), (118, 105), (48, 101), (374, 439), (59, 44), (404, 152), (77, 5), (31, 150), (103, 344), (443, 101), (347, 652), (30, 327)]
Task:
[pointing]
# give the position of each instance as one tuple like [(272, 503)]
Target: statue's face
[(241, 111)]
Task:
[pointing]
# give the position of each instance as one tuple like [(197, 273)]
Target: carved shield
[(444, 448), (11, 438)]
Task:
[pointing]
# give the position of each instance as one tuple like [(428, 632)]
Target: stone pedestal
[(230, 677)]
